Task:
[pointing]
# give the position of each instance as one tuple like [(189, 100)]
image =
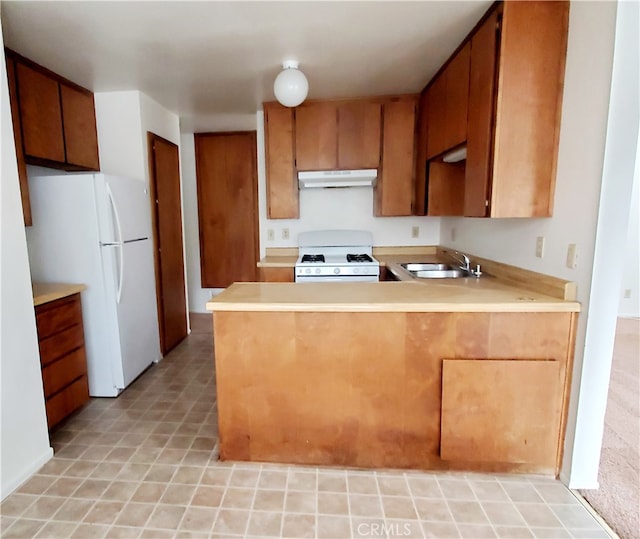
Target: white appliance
[(95, 229), (336, 255), (337, 178)]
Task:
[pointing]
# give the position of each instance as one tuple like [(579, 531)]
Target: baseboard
[(35, 466)]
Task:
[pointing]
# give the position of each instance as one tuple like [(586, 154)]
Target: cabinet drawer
[(60, 373), (66, 401), (53, 317), (61, 344)]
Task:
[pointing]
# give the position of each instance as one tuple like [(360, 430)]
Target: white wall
[(121, 146), (24, 439), (630, 306), (613, 217), (319, 209), (577, 197)]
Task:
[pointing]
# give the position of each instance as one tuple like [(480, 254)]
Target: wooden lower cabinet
[(62, 357), (276, 275), (366, 389)]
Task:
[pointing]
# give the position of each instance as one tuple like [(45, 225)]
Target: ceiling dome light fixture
[(291, 86)]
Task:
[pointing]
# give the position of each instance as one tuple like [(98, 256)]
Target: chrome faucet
[(465, 263)]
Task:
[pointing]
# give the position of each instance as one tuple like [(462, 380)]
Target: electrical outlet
[(271, 234), (572, 256), (285, 233), (540, 246), (454, 233), (627, 293), (415, 231)]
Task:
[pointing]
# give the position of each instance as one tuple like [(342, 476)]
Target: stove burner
[(359, 258), (312, 258)]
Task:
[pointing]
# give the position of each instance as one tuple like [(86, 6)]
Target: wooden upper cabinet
[(282, 183), (395, 184), (80, 133), (419, 202), (40, 114), (17, 137), (482, 85), (447, 109), (316, 128), (338, 135), (55, 117), (520, 118), (359, 125), (457, 91)]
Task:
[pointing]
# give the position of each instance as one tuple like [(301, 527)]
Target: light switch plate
[(572, 256), (270, 234), (415, 231), (285, 233), (540, 246)]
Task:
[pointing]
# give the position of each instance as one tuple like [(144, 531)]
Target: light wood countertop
[(486, 294), (47, 292)]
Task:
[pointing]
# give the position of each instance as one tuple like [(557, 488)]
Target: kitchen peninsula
[(468, 374)]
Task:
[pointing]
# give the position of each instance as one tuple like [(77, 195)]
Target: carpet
[(617, 500)]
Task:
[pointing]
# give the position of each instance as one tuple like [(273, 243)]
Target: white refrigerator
[(95, 229)]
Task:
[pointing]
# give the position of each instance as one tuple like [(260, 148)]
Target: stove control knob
[(336, 271), (307, 270), (317, 270)]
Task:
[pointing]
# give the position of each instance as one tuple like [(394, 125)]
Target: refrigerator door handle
[(118, 243)]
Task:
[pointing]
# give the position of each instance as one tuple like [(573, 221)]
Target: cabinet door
[(359, 135), (316, 136), (394, 188), (482, 79), (501, 411), (419, 199), (445, 188), (282, 184), (40, 114), (276, 275), (79, 121), (457, 96), (17, 136), (436, 121)]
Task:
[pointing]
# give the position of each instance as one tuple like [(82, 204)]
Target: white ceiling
[(206, 58)]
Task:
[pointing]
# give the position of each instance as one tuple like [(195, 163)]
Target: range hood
[(337, 178)]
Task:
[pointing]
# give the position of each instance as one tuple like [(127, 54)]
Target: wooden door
[(80, 135), (282, 181), (359, 126), (164, 169), (17, 136), (394, 190), (482, 91), (40, 113), (316, 126), (227, 207), (457, 97)]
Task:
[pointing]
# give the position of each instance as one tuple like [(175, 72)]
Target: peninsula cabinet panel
[(80, 133), (359, 125), (529, 66), (316, 135), (17, 137), (282, 182), (227, 207), (501, 411), (375, 397), (40, 115), (394, 189)]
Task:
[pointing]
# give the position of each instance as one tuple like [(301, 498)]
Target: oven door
[(336, 278)]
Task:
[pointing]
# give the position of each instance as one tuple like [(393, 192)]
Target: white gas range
[(336, 255)]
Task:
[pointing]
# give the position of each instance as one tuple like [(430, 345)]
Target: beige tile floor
[(145, 465)]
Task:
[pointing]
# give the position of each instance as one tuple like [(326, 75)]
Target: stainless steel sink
[(434, 271)]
